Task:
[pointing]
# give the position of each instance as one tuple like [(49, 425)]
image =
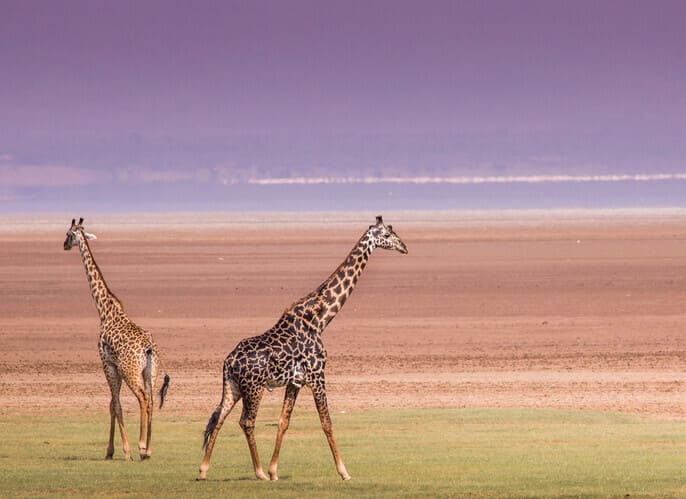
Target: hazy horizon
[(306, 105)]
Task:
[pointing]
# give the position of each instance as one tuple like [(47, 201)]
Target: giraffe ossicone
[(292, 354), (128, 352)]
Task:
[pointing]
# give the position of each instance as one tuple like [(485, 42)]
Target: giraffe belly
[(291, 374)]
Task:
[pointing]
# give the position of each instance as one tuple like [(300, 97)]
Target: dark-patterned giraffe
[(128, 352), (291, 353)]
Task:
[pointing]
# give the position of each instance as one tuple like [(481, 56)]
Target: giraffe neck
[(332, 294), (107, 304)]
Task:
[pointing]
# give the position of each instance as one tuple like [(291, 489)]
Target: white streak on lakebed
[(506, 179)]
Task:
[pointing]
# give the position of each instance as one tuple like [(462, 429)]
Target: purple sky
[(105, 89)]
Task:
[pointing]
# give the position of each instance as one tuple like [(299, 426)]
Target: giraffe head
[(74, 233), (382, 236)]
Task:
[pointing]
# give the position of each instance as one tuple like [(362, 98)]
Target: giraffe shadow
[(250, 479), (81, 458)]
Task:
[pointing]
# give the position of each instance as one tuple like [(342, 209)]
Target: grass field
[(391, 453)]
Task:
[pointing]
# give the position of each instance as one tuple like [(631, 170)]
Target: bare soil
[(542, 314)]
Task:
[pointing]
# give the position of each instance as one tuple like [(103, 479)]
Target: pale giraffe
[(127, 351), (292, 354)]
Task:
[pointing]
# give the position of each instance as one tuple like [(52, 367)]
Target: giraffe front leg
[(114, 382), (288, 403), (319, 393), (247, 423)]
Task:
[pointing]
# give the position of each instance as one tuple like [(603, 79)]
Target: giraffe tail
[(163, 390), (211, 424), (147, 375)]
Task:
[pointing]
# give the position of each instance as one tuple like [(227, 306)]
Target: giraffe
[(127, 351), (292, 354)]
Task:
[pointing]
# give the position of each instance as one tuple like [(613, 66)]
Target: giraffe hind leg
[(229, 399), (247, 422), (145, 403), (149, 374), (284, 421), (110, 445), (148, 446)]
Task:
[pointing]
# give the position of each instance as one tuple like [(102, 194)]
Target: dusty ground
[(580, 312)]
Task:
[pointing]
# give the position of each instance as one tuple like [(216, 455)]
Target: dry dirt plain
[(540, 311)]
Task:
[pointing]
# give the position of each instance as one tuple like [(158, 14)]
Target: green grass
[(391, 453)]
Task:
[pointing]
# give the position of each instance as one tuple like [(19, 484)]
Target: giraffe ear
[(379, 219), (89, 235)]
